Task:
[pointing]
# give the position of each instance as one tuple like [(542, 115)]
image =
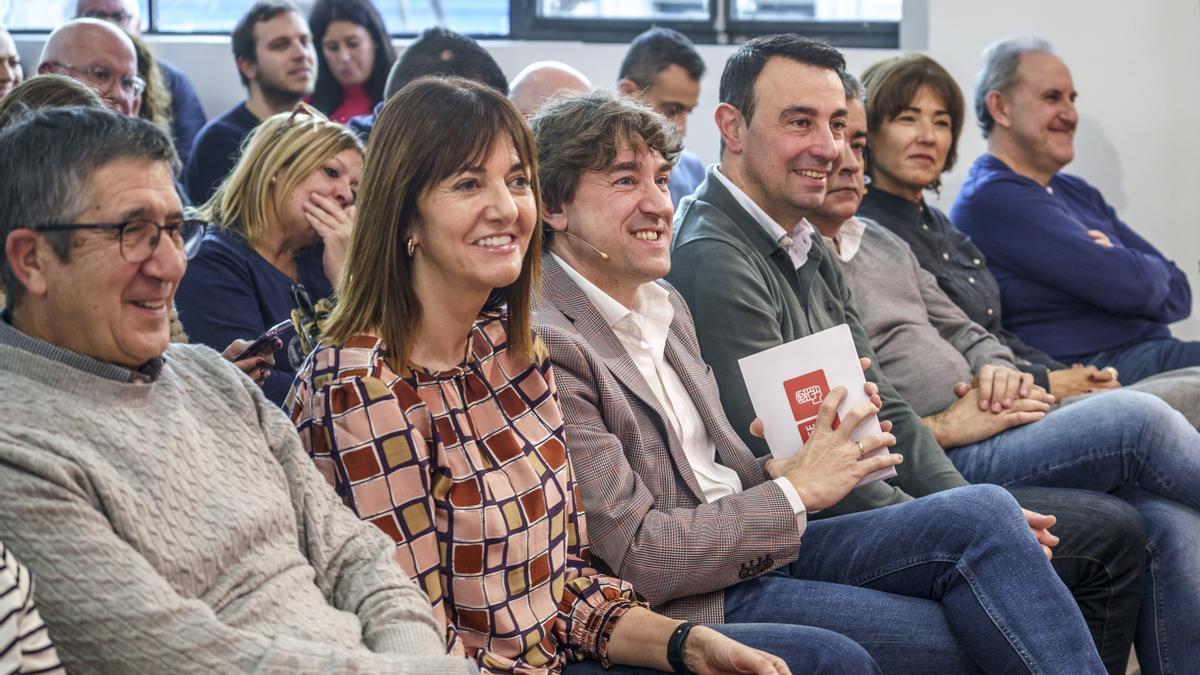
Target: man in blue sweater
[(1076, 282)]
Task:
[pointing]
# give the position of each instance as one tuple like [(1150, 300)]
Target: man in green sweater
[(755, 275), (166, 508)]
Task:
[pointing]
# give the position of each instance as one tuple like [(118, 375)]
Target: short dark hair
[(744, 66), (654, 51), (442, 52), (585, 131), (242, 39), (47, 158), (853, 87), (327, 95), (893, 83)]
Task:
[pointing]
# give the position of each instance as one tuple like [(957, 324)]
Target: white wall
[(1134, 65)]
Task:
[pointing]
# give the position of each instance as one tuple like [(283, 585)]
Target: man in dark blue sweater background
[(1075, 281), (277, 63)]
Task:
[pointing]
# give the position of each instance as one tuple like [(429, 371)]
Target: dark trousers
[(1100, 559)]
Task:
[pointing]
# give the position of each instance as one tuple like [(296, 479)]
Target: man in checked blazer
[(677, 503)]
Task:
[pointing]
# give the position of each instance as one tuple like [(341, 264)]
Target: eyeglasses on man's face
[(138, 238), (103, 78)]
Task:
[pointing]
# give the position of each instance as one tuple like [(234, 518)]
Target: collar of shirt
[(648, 321), (849, 239), (797, 244), (909, 213), (642, 333), (11, 336)]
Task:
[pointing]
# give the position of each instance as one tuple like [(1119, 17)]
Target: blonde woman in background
[(280, 226)]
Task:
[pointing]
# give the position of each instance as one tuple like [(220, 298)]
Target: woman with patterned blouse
[(431, 407)]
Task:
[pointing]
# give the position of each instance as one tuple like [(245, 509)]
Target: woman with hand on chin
[(283, 218), (431, 405)]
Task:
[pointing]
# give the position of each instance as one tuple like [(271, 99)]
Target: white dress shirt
[(643, 332), (849, 239), (796, 244)]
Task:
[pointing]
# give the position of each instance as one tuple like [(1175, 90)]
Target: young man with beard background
[(277, 63)]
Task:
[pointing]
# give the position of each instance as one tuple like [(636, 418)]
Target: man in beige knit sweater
[(166, 508)]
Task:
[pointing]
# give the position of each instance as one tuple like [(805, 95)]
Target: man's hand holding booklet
[(805, 392)]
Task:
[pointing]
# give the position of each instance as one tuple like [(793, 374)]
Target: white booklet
[(788, 383)]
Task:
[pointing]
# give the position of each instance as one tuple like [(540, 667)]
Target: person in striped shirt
[(25, 645)]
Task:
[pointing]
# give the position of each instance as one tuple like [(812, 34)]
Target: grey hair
[(855, 91), (999, 72), (47, 158)]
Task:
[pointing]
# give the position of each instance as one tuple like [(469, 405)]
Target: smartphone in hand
[(282, 331)]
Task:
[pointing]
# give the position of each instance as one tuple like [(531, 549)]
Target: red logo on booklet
[(805, 394)]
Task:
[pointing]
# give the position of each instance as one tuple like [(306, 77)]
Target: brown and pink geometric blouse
[(466, 470)]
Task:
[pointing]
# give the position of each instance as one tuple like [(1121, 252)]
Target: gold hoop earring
[(412, 247)]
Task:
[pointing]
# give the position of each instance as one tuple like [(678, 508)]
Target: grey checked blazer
[(646, 517)]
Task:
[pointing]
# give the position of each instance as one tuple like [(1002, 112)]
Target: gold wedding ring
[(861, 450)]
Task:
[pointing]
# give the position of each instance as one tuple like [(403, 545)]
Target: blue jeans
[(806, 650), (952, 582), (1139, 448), (1150, 357)]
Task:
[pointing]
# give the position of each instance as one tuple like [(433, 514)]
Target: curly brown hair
[(585, 132)]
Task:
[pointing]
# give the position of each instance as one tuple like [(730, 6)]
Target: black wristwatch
[(675, 648)]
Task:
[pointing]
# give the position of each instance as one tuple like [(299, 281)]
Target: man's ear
[(628, 87), (998, 108), (556, 218), (26, 253), (731, 126), (248, 69), (44, 67)]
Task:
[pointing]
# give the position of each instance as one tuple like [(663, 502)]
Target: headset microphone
[(602, 254)]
